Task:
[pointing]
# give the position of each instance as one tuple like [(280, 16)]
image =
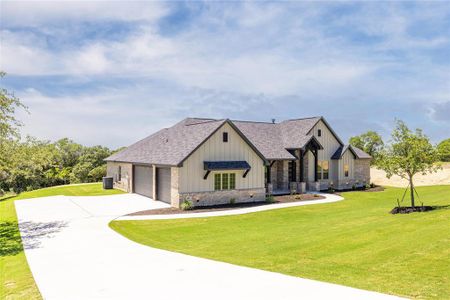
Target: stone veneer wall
[(174, 187), (306, 167), (361, 175), (362, 170), (126, 183), (224, 197)]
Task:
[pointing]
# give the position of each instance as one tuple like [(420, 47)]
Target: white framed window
[(319, 132), (119, 173), (346, 170), (224, 181)]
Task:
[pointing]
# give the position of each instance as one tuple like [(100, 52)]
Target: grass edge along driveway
[(16, 279), (354, 242)]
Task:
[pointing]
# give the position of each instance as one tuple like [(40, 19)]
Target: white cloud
[(38, 13), (254, 58)]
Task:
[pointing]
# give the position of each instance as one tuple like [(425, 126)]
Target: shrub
[(187, 205), (270, 199)]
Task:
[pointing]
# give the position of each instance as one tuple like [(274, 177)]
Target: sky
[(111, 73)]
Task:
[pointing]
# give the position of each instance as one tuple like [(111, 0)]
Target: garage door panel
[(143, 181), (163, 184)]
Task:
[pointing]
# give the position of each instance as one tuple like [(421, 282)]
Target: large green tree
[(91, 159), (9, 103), (409, 153), (370, 142), (28, 165), (444, 150), (9, 129)]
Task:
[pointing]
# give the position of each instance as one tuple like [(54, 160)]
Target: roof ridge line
[(305, 118), (249, 121), (206, 121)]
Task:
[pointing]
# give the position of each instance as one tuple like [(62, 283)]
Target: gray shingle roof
[(266, 137), (171, 146), (272, 140), (356, 151), (360, 153)]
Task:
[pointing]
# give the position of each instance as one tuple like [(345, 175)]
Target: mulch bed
[(374, 189), (199, 209), (409, 209)]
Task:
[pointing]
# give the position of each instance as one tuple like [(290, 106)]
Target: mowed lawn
[(355, 242), (16, 279)]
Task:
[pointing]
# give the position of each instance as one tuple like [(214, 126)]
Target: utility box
[(108, 183)]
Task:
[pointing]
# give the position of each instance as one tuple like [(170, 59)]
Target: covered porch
[(285, 176)]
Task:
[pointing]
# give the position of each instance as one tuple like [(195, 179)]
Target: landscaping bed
[(199, 209), (409, 209)]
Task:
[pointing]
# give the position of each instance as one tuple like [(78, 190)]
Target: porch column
[(269, 178), (316, 162), (302, 167)]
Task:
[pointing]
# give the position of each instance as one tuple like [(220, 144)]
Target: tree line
[(29, 163), (372, 143)]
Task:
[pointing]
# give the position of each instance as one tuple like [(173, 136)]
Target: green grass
[(15, 277), (355, 242)]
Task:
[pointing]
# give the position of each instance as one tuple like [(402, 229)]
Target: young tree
[(370, 142), (408, 154), (444, 150)]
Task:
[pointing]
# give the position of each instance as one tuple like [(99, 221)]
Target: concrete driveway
[(73, 254)]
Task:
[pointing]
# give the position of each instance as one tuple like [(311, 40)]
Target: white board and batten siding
[(348, 159), (330, 145), (214, 149)]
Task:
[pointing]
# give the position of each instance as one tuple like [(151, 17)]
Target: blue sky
[(113, 72)]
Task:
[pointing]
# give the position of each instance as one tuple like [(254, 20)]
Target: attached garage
[(163, 184), (143, 180)]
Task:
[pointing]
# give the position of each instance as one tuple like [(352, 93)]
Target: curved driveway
[(73, 254)]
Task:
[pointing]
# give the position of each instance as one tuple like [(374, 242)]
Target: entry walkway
[(329, 198)]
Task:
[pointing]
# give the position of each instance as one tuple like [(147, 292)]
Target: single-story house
[(211, 161)]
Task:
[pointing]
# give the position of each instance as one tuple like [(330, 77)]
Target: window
[(225, 137), (217, 182), (119, 173), (224, 181), (319, 132), (346, 170), (325, 169), (232, 181), (319, 169)]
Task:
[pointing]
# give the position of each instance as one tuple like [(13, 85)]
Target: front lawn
[(16, 279), (355, 242)]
